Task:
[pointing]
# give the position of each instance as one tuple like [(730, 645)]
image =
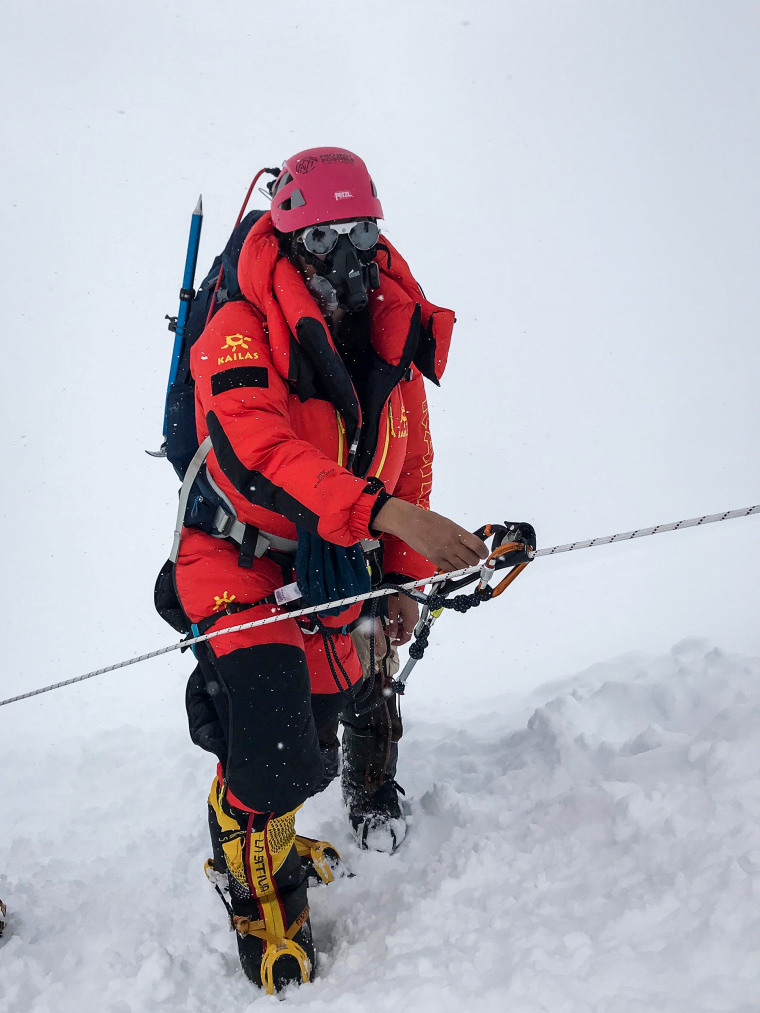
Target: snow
[(579, 182), (592, 846)]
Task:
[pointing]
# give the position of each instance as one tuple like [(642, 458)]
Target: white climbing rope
[(382, 592)]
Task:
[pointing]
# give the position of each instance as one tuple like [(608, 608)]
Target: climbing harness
[(451, 581)]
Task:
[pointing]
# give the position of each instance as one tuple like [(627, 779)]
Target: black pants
[(253, 708)]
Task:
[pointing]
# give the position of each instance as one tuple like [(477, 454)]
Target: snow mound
[(595, 848)]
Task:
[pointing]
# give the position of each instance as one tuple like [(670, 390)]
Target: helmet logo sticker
[(337, 156), (342, 194), (306, 164)]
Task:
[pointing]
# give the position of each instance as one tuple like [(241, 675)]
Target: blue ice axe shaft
[(185, 298)]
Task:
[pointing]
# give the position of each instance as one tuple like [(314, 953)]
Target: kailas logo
[(342, 194), (305, 164), (236, 341), (403, 429), (236, 347), (223, 602)]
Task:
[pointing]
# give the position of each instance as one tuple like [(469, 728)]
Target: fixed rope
[(626, 536), (382, 592)]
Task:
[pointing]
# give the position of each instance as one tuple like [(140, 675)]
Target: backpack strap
[(249, 544), (247, 537), (191, 474)]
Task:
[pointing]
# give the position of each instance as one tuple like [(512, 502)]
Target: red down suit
[(284, 417)]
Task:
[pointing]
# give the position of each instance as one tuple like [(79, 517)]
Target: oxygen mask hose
[(347, 275)]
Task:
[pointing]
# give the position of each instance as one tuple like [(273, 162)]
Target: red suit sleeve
[(414, 482), (244, 401)]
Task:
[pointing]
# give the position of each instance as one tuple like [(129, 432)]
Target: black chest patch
[(239, 376)]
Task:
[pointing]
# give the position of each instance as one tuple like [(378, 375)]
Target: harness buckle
[(307, 625), (223, 522)]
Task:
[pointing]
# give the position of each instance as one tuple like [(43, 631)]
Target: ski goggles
[(321, 239)]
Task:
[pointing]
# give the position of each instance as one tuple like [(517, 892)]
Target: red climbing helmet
[(323, 185)]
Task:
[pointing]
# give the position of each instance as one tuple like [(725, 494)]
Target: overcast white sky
[(577, 180)]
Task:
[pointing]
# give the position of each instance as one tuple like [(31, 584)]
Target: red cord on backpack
[(255, 180)]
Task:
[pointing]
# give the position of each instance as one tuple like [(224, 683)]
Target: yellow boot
[(267, 886)]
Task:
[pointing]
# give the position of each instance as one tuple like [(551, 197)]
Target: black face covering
[(345, 277)]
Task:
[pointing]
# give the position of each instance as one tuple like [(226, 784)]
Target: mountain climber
[(311, 389)]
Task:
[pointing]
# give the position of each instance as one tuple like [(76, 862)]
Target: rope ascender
[(512, 548)]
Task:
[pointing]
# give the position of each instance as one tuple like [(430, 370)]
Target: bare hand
[(403, 614), (445, 543)]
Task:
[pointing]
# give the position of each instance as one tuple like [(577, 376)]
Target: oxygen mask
[(343, 255)]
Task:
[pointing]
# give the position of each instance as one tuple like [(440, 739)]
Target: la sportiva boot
[(320, 861), (376, 816), (371, 732), (266, 898)]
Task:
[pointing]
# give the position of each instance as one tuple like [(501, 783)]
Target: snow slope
[(592, 847)]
